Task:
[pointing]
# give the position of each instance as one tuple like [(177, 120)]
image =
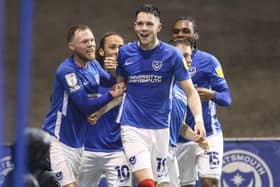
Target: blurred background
[(243, 35)]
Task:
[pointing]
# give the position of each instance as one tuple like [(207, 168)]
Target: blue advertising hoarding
[(5, 163), (251, 162), (247, 162)]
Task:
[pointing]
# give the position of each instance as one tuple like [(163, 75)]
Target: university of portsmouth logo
[(245, 169), (192, 71), (157, 65)]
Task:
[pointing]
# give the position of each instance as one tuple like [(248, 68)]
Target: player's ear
[(134, 26), (196, 36), (71, 46), (159, 27), (101, 52)]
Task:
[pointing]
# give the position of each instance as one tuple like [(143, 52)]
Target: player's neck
[(80, 62), (149, 46)]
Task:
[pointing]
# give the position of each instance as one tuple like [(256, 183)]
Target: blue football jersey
[(104, 136), (72, 101), (150, 76), (206, 72), (178, 113)]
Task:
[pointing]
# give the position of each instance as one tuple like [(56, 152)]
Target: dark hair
[(149, 8), (190, 19), (71, 31), (106, 35), (175, 41), (101, 45), (195, 28)]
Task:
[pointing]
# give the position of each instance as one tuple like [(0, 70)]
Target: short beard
[(83, 57)]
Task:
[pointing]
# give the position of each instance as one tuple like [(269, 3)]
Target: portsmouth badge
[(59, 175), (156, 65), (192, 71), (132, 160), (245, 169)]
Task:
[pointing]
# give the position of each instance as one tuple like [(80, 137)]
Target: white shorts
[(65, 161), (194, 163), (147, 148), (113, 165), (173, 170)]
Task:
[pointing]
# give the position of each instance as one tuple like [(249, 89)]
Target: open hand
[(117, 90)]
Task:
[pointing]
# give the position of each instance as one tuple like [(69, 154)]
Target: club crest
[(157, 65), (238, 178), (59, 175), (192, 71), (245, 169), (132, 160)]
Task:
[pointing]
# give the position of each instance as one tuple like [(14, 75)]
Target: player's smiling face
[(146, 27), (183, 29), (83, 45)]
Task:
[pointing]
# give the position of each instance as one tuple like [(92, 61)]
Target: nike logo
[(159, 175), (128, 63), (122, 180), (162, 175)]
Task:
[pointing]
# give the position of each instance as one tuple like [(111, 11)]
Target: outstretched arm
[(88, 105), (92, 119)]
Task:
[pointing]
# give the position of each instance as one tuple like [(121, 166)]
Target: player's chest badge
[(156, 65), (192, 71)]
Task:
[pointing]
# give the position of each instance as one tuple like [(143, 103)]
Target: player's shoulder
[(128, 49), (129, 46), (166, 46), (206, 57), (93, 63), (205, 54), (67, 65), (169, 50)]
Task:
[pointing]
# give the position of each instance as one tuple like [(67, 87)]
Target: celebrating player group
[(141, 113)]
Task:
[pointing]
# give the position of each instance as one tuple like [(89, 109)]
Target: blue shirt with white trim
[(206, 72), (104, 136), (74, 96), (150, 76), (178, 113)]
